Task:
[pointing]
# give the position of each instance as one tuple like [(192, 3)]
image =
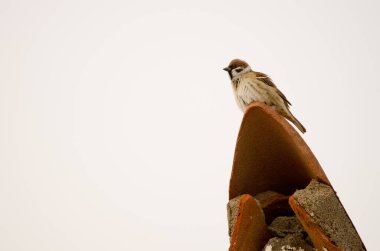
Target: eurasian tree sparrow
[(250, 86)]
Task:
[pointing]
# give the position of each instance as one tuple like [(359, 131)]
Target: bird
[(253, 86)]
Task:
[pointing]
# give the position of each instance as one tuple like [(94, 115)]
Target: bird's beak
[(228, 69)]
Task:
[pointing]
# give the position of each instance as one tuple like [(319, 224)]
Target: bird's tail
[(295, 121)]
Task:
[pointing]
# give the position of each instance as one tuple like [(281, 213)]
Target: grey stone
[(232, 213), (291, 242), (323, 205), (284, 225)]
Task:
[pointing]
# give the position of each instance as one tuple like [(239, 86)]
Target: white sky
[(118, 125)]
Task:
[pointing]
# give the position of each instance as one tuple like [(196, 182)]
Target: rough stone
[(274, 204), (291, 242), (232, 213), (284, 225), (325, 210)]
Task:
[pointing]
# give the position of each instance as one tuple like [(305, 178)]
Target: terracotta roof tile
[(250, 231), (271, 155), (324, 218), (317, 235)]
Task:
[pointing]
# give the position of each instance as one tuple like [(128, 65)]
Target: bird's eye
[(238, 69)]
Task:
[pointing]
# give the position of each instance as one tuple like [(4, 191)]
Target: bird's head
[(237, 67)]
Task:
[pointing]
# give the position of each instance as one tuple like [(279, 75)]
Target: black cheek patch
[(230, 73)]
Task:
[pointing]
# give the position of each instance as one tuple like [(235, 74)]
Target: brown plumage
[(250, 86)]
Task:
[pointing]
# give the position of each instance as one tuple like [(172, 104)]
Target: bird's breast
[(251, 90)]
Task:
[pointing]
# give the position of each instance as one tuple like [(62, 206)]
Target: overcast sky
[(118, 125)]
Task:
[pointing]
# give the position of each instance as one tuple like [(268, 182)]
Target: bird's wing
[(267, 80)]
